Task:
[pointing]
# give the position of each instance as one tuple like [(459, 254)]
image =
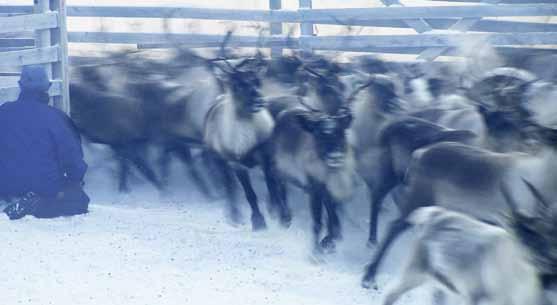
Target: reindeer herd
[(472, 167)]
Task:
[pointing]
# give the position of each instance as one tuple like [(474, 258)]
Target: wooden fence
[(459, 23), (47, 20)]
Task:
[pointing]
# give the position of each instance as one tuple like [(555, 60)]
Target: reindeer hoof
[(316, 256), (124, 190), (368, 284), (286, 220), (258, 223), (328, 244), (234, 217)]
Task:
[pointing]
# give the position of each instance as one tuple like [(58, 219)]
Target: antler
[(509, 200), (541, 199)]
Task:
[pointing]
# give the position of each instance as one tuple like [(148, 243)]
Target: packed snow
[(177, 248)]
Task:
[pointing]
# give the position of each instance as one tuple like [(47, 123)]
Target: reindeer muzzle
[(335, 159), (257, 105)]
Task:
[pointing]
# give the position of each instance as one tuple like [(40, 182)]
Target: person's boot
[(22, 206)]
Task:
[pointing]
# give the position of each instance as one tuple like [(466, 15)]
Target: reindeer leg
[(123, 173), (144, 167), (257, 220), (316, 202), (377, 196), (378, 191), (333, 223), (229, 185), (414, 274), (164, 162), (185, 155), (408, 282), (277, 193), (396, 228)]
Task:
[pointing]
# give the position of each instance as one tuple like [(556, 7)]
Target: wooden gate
[(37, 37)]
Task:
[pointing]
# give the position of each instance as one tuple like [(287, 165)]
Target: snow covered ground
[(148, 248)]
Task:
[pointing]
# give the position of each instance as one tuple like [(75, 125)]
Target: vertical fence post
[(42, 37), (306, 28), (60, 69), (276, 28)]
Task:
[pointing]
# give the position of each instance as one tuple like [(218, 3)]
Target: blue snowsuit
[(40, 152)]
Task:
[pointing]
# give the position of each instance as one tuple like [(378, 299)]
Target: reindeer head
[(329, 133), (244, 87)]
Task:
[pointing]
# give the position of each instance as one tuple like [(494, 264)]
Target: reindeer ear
[(307, 121)]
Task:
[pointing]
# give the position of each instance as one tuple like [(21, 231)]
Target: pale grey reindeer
[(479, 262), (311, 149), (467, 179), (381, 163), (237, 129)]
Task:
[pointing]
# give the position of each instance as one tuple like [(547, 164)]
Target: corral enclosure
[(140, 248), (396, 30)]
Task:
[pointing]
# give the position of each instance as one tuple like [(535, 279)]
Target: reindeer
[(396, 143), (311, 149), (481, 263), (141, 88), (117, 121), (466, 179)]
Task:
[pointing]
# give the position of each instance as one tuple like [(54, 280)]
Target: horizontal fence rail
[(342, 16), (29, 57), (34, 35), (317, 42), (501, 1), (30, 22), (10, 92), (455, 19), (437, 16), (16, 42)]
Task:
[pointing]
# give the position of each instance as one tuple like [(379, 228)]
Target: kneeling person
[(41, 159)]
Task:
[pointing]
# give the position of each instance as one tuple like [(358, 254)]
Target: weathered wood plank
[(29, 57), (16, 42), (59, 37), (2, 49), (321, 42), (450, 51), (343, 16), (501, 1), (16, 9), (42, 36), (187, 40), (306, 27), (470, 11), (30, 22), (276, 27), (259, 15), (428, 40), (462, 25), (11, 93), (184, 12)]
